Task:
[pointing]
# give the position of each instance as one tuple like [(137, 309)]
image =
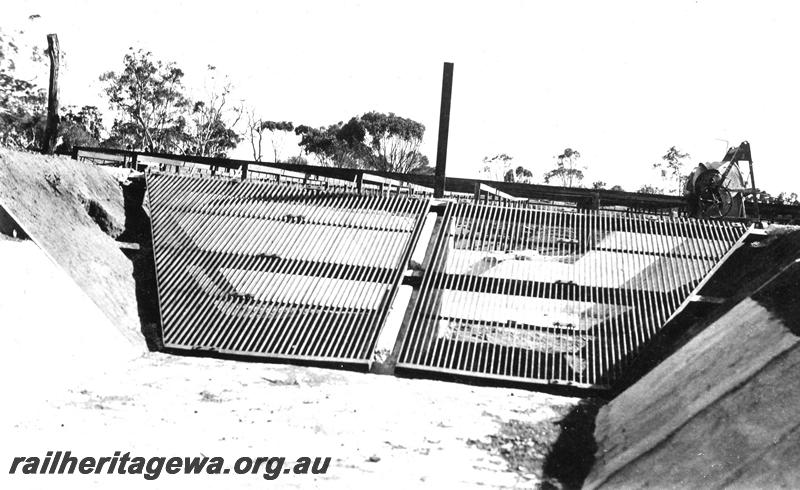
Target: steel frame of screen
[(276, 270), (509, 291), (518, 293)]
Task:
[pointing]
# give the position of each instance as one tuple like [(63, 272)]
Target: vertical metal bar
[(656, 246), (444, 130), (617, 350), (578, 299), (625, 294), (601, 312), (661, 285)]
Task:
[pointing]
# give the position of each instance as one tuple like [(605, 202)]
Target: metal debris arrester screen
[(546, 296), (277, 270)]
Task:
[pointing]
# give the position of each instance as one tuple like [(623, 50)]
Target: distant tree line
[(153, 111), (373, 140), (568, 172), (785, 198)]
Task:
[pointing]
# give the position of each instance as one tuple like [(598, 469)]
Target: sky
[(620, 82)]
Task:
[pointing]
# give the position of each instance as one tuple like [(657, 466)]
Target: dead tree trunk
[(51, 131)]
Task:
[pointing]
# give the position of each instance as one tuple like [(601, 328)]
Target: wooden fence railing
[(583, 198)]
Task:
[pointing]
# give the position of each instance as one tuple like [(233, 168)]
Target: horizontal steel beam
[(549, 290), (274, 263)]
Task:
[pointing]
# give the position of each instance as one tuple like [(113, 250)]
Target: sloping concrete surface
[(721, 412)]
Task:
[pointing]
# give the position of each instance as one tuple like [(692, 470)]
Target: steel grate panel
[(553, 296), (274, 269)]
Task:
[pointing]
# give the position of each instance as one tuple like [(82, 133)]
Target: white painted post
[(418, 255)]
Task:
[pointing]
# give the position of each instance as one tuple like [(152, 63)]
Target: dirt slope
[(73, 211)]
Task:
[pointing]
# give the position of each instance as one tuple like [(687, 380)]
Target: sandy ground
[(71, 381)]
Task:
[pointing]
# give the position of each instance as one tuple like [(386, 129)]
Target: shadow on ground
[(557, 451), (572, 455)]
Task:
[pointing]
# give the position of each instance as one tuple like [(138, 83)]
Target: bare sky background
[(619, 81)]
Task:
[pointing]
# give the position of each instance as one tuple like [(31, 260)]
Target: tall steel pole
[(444, 130)]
